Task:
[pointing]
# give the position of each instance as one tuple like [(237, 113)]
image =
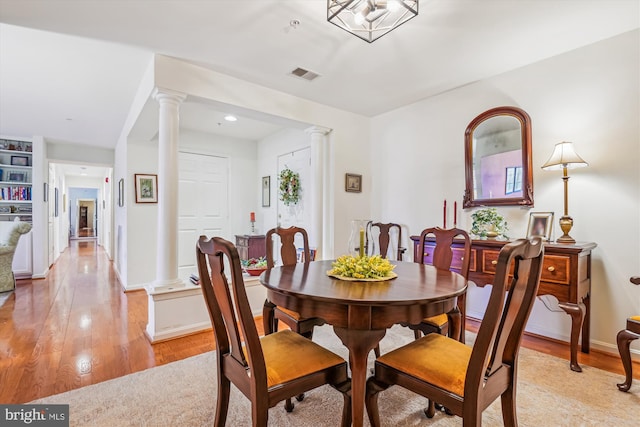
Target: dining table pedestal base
[(360, 342)]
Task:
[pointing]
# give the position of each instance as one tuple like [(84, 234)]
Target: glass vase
[(361, 241)]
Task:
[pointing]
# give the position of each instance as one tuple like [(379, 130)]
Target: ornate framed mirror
[(498, 159)]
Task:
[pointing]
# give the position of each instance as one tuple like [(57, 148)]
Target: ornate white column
[(175, 309), (320, 207), (167, 244)]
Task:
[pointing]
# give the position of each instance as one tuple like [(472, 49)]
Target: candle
[(455, 214), (253, 217), (444, 217), (361, 242)]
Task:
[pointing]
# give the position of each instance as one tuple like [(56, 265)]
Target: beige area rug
[(183, 394)]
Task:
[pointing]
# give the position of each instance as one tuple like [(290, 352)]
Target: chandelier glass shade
[(370, 19)]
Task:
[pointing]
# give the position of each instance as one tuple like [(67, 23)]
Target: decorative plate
[(391, 276)]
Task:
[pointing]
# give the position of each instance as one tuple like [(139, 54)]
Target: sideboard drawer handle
[(426, 254), (552, 268), (494, 262)]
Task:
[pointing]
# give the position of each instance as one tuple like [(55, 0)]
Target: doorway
[(203, 207), (83, 213), (86, 219)]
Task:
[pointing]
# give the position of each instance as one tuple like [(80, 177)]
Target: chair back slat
[(506, 315), (288, 250), (384, 238), (443, 250), (228, 306)]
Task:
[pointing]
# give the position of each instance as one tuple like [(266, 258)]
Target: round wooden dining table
[(361, 312)]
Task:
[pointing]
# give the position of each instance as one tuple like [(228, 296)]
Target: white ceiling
[(74, 79)]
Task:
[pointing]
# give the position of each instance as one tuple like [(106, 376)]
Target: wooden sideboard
[(566, 274), (251, 246)]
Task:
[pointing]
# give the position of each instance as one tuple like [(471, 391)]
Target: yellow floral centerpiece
[(362, 268)]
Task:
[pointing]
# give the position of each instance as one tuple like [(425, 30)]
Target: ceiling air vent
[(304, 74)]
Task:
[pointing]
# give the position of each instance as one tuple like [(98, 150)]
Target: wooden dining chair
[(271, 314), (385, 236), (447, 254), (624, 338), (466, 380), (288, 256), (266, 370)]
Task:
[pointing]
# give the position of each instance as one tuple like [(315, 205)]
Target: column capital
[(161, 94), (317, 129)]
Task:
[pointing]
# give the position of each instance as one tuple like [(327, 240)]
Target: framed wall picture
[(16, 176), (353, 183), (266, 191), (19, 160), (540, 224), (146, 188), (55, 201), (121, 192)]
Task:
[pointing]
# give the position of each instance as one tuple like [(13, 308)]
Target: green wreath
[(289, 186)]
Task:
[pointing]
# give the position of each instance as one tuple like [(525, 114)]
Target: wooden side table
[(566, 274), (251, 246)]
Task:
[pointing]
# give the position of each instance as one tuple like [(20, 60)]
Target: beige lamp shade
[(564, 156)]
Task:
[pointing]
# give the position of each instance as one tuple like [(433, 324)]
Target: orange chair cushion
[(434, 359), (293, 314), (438, 321), (289, 356), (633, 324)]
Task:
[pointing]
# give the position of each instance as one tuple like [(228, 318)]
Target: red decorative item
[(444, 220), (455, 214)]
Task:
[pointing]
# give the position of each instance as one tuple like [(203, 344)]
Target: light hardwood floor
[(77, 327)]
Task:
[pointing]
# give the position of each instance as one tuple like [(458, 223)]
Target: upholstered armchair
[(8, 243)]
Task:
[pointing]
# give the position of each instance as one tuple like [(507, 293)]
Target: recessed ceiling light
[(230, 118)]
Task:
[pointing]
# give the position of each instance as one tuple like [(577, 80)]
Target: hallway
[(77, 327)]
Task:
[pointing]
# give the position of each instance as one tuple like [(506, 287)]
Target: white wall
[(141, 221), (40, 230), (349, 138), (590, 96), (119, 230), (269, 149), (140, 228), (411, 159)]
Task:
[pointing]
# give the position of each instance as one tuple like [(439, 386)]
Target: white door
[(203, 199), (300, 213), (50, 216)]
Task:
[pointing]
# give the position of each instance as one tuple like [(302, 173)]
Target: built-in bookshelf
[(16, 163)]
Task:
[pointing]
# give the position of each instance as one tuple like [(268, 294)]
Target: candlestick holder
[(253, 227), (361, 241)]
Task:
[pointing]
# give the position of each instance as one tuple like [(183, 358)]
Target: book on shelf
[(15, 193)]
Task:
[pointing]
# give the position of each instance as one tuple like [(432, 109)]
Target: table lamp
[(564, 157)]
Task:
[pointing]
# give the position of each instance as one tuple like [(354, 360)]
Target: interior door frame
[(94, 216)]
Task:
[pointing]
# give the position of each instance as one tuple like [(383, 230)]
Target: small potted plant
[(487, 223)]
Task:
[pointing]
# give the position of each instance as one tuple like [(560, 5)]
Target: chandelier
[(370, 19)]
